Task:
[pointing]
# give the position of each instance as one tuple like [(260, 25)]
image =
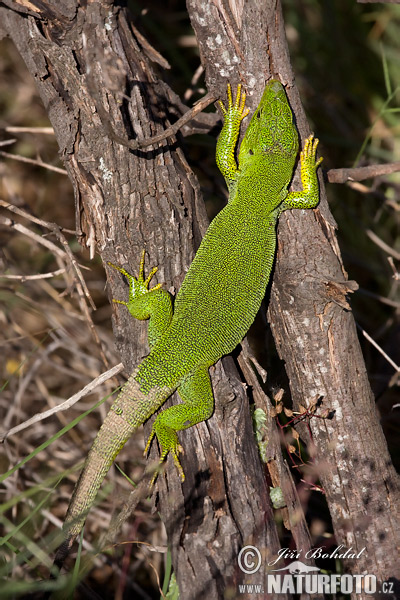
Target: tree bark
[(311, 321), (95, 77)]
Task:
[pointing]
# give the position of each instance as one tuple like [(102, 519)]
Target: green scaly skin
[(219, 297)]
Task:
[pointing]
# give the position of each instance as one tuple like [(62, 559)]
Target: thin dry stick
[(361, 173), (79, 280), (66, 404), (197, 74), (81, 286), (31, 161), (377, 240), (173, 129), (34, 236), (26, 379), (83, 292), (29, 217), (396, 274), (170, 131), (140, 492), (44, 130), (382, 299), (23, 278), (369, 338), (7, 142)]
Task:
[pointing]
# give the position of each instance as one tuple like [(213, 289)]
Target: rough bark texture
[(94, 75), (88, 63), (312, 324)]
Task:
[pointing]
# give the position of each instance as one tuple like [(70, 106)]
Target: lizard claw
[(236, 108), (138, 286), (170, 444), (308, 154)]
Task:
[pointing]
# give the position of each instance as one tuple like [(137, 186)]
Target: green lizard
[(219, 297)]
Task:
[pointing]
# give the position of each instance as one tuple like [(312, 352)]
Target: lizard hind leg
[(197, 406)]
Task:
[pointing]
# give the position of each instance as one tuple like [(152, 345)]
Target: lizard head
[(271, 131)]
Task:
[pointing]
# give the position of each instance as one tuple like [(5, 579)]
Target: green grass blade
[(53, 438)]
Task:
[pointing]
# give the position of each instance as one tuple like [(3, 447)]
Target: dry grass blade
[(66, 404), (31, 161)]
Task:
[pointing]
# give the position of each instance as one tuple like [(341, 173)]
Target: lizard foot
[(233, 114), (308, 154), (169, 442), (235, 109), (138, 286)]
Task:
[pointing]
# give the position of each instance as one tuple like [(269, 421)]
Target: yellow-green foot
[(137, 285), (237, 107), (170, 444), (308, 154)]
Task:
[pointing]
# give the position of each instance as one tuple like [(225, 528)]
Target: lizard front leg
[(226, 144), (144, 303), (131, 408), (309, 197)]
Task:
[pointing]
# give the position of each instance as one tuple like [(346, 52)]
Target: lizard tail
[(131, 408)]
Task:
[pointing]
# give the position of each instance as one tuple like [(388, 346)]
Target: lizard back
[(226, 282)]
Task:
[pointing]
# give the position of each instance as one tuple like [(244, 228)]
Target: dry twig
[(66, 404)]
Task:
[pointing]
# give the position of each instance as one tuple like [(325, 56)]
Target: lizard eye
[(251, 152), (259, 114)]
